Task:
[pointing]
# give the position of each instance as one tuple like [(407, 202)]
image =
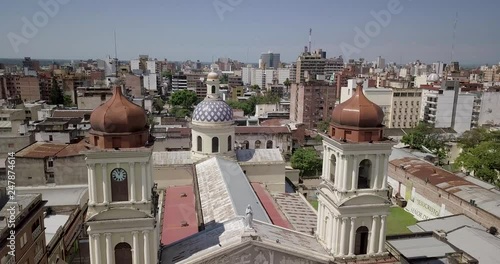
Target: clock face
[(119, 174)]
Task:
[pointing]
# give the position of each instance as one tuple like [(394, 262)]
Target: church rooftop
[(179, 214)]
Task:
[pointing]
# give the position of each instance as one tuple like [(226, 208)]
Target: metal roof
[(445, 224), (451, 183), (476, 242), (60, 195), (420, 247), (179, 215), (259, 155), (165, 158), (225, 192)]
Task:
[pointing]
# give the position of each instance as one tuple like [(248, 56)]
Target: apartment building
[(448, 107), (406, 105), (29, 230), (92, 97), (333, 66), (311, 103), (28, 88), (270, 60), (312, 63)]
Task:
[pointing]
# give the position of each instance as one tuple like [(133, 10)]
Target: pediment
[(364, 199), (259, 254)]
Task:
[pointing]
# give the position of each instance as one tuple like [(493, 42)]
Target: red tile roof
[(179, 209), (40, 150), (261, 130), (71, 113), (270, 206)]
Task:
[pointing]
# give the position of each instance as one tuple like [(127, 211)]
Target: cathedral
[(123, 220)]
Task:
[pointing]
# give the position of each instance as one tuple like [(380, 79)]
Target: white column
[(345, 160), (132, 182), (384, 175), (381, 241), (328, 239), (343, 230), (105, 183), (91, 249), (109, 249), (354, 173), (376, 172), (373, 235), (340, 177), (352, 237), (335, 234), (338, 230), (135, 247), (147, 252), (97, 248), (326, 173), (92, 185), (318, 223), (149, 179), (143, 183)]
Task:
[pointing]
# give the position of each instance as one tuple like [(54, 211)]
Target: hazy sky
[(242, 29)]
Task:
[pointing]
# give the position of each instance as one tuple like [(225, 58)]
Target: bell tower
[(353, 198), (122, 212)]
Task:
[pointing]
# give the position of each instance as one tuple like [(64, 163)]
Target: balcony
[(39, 255), (36, 232)]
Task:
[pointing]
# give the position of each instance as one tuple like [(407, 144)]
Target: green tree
[(255, 88), (323, 126), (423, 138), (56, 93), (481, 154), (158, 104), (67, 101), (185, 99), (224, 79), (416, 138), (287, 83), (307, 161), (167, 74), (180, 112)]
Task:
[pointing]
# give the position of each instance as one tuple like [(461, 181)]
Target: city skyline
[(242, 30)]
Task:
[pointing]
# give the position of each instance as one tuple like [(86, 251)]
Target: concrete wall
[(463, 114), (173, 175), (490, 107), (70, 170), (272, 175), (14, 143), (91, 102), (56, 137), (30, 172)]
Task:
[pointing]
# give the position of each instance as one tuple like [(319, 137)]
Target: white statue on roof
[(249, 217)]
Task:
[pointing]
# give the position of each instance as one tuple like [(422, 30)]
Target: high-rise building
[(380, 63), (355, 163), (333, 66), (311, 103), (270, 60), (312, 63)]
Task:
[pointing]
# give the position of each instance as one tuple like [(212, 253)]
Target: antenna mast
[(310, 38), (454, 37), (116, 57)]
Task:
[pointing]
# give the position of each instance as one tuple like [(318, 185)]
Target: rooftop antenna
[(310, 38), (116, 57), (454, 37)]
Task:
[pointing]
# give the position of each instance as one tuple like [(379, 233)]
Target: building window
[(11, 145), (246, 144), (213, 89), (269, 144), (257, 144), (229, 143), (199, 143), (215, 144), (365, 167), (123, 253), (50, 163), (51, 138), (361, 242)]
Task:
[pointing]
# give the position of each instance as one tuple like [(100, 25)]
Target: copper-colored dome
[(358, 111), (118, 115)]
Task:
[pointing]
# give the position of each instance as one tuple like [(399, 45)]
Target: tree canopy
[(481, 154), (185, 99), (56, 93), (423, 138), (248, 106), (307, 161), (158, 104)]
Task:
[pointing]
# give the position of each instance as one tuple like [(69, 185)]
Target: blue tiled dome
[(213, 111)]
